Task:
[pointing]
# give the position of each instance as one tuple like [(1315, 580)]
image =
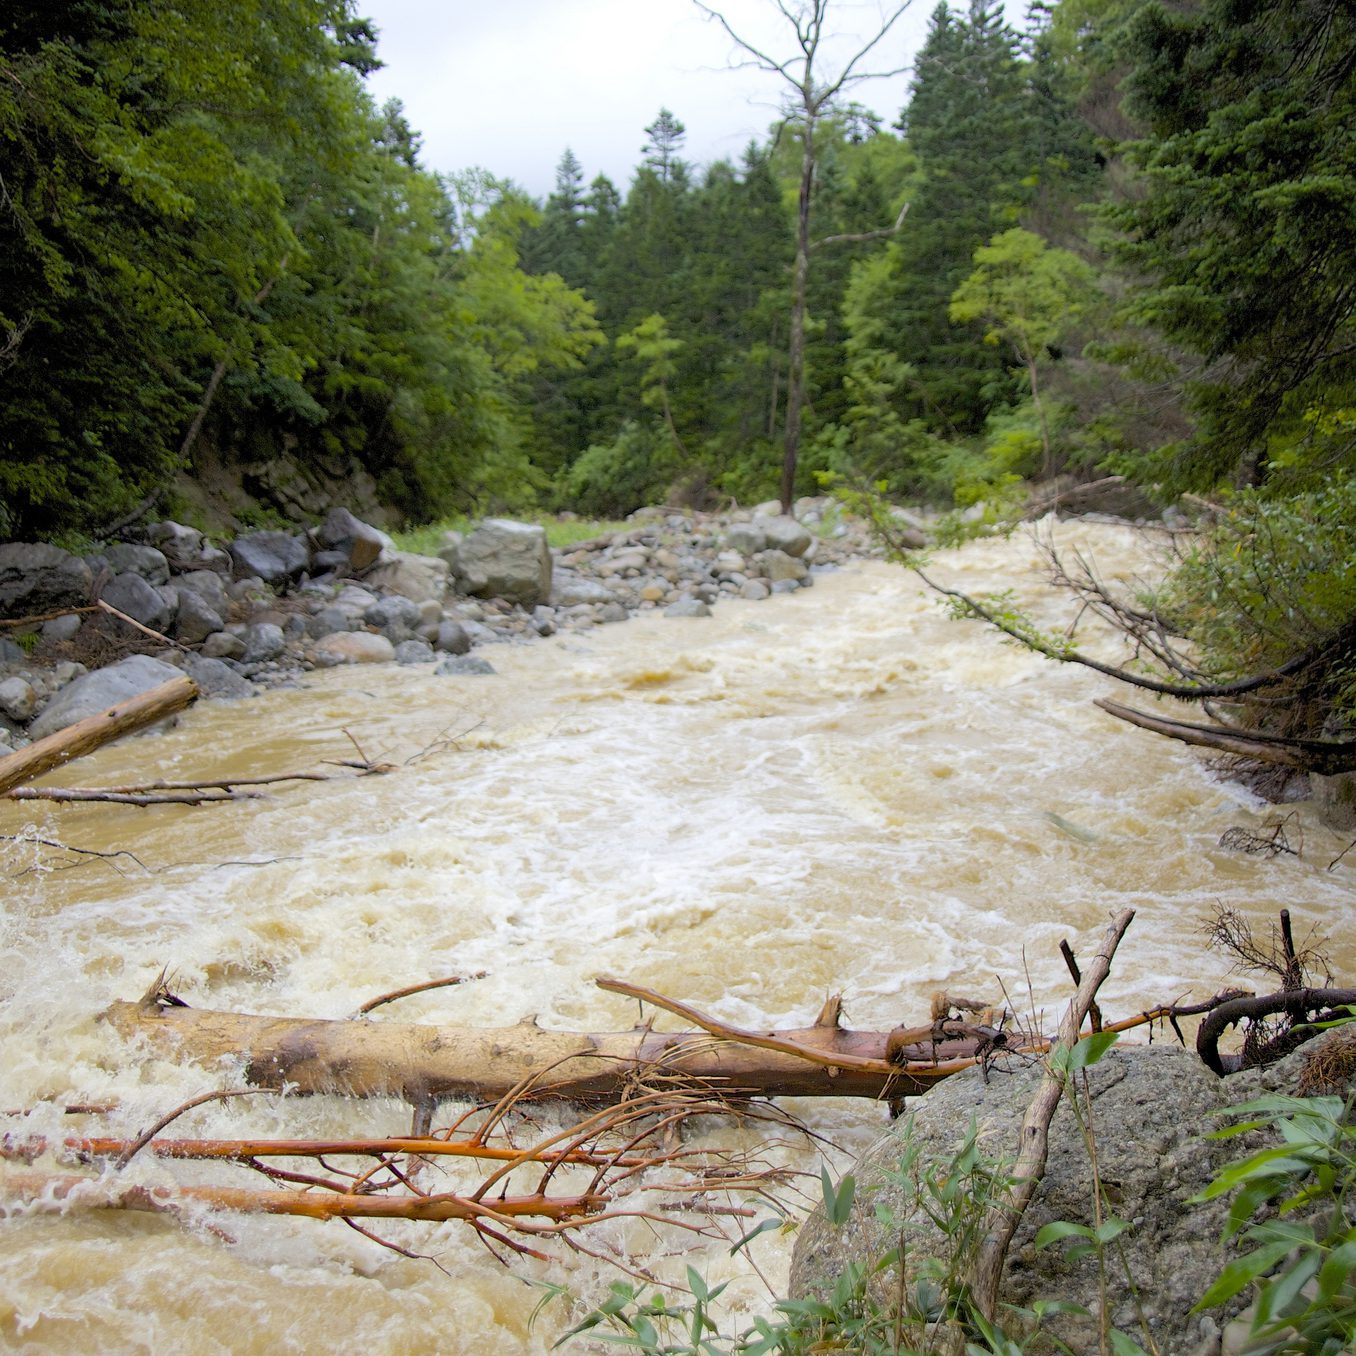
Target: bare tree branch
[(811, 100)]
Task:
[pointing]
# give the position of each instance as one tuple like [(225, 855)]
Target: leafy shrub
[(610, 480), (1270, 580)]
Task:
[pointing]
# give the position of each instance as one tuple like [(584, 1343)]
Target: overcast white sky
[(508, 84)]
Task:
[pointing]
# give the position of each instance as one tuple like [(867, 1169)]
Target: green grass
[(426, 540)]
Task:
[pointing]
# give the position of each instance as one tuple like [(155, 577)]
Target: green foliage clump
[(613, 479), (1294, 1208), (1272, 580)]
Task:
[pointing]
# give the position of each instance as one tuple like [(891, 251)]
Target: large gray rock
[(786, 534), (195, 620), (419, 578), (352, 647), (1336, 799), (141, 600), (360, 543), (765, 533), (186, 549), (214, 677), (274, 557), (503, 559), (35, 577), (1152, 1108), (777, 565), (146, 561), (223, 645), (452, 638), (395, 610), (95, 692), (570, 590), (208, 586), (17, 698), (263, 641)]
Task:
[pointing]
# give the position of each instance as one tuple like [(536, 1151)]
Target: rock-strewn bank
[(271, 605), (1152, 1110)]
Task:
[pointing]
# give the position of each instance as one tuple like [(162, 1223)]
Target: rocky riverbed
[(83, 632)]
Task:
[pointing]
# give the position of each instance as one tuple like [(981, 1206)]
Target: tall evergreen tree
[(1247, 230), (665, 137), (969, 121)]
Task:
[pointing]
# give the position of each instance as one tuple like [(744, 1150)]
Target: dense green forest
[(1129, 248)]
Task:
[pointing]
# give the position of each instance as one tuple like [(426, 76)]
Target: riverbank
[(272, 605)]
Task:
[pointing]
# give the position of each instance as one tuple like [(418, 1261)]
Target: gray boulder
[(17, 699), (786, 534), (263, 641), (223, 645), (503, 559), (776, 565), (208, 586), (745, 538), (146, 561), (394, 610), (452, 638), (61, 628), (195, 620), (274, 557), (186, 549), (329, 620), (214, 677), (570, 590), (141, 600), (352, 647), (777, 533), (414, 652), (412, 576), (35, 577), (355, 543), (95, 692), (687, 607), (1152, 1108)]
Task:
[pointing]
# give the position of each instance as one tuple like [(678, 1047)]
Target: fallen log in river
[(426, 1064)]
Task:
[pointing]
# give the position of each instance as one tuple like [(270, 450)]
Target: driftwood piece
[(54, 1192), (1297, 1004), (1327, 757), (1004, 1217), (95, 731), (424, 1064)]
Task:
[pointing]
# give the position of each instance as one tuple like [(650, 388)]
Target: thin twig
[(413, 989), (1003, 1218)]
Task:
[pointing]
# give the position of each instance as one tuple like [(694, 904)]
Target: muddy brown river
[(835, 791)]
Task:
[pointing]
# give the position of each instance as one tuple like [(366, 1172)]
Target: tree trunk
[(427, 1063), (795, 377), (95, 731)]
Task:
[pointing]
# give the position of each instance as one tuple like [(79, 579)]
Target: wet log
[(1327, 757), (425, 1064), (95, 731)]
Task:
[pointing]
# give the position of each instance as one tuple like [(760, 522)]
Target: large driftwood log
[(95, 731), (427, 1063), (424, 1064), (1328, 757)]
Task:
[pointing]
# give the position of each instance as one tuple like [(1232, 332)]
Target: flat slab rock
[(1152, 1105)]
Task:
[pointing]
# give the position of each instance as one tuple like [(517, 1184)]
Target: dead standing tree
[(812, 95)]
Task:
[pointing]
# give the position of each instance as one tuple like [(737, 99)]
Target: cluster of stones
[(271, 604)]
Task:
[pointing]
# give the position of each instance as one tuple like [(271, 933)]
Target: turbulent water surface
[(839, 790)]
